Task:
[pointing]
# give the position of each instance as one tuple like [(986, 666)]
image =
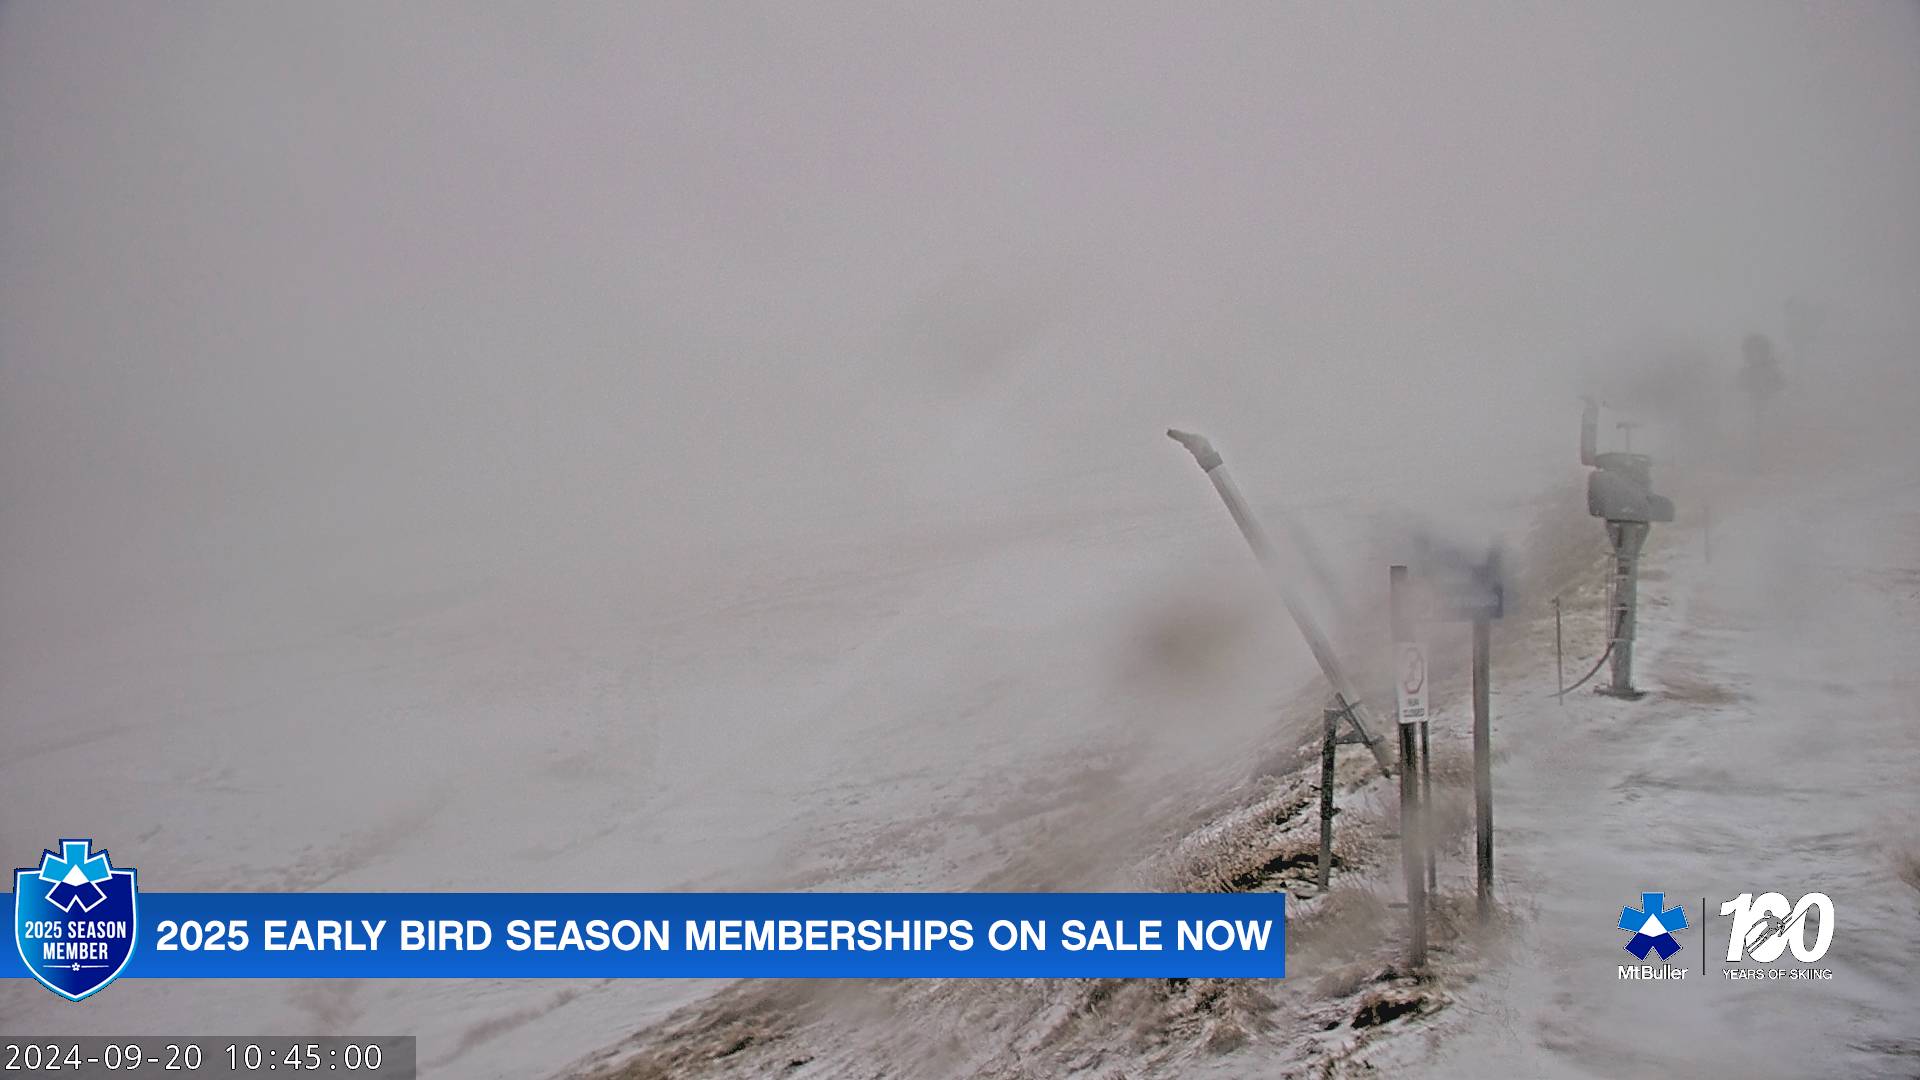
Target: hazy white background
[(429, 430), (303, 304)]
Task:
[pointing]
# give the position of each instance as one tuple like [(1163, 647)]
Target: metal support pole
[(1628, 538), (1482, 770), (1329, 741), (1559, 657), (1426, 809), (1211, 463), (1412, 842)]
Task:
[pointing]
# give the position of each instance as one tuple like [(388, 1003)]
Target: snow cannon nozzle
[(1197, 445)]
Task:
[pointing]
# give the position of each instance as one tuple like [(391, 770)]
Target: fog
[(304, 305), (319, 321)]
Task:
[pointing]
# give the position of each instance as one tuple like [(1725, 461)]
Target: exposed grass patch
[(1907, 867), (1388, 1006), (1680, 686)]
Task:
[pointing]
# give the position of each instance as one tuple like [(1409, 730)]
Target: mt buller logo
[(1652, 926), (74, 919)]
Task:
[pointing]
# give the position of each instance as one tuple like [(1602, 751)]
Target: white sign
[(1410, 681)]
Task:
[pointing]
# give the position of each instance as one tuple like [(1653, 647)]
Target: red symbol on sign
[(1413, 670)]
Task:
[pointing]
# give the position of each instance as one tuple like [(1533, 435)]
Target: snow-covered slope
[(1773, 752), (1777, 751), (1019, 696)]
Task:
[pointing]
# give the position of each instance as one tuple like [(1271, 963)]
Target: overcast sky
[(369, 295)]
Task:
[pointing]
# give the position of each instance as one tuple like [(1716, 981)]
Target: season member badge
[(74, 919)]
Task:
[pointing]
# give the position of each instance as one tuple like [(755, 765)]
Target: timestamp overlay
[(388, 1057)]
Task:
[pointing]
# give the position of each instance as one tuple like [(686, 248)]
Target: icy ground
[(1011, 695), (1033, 700), (1775, 751)]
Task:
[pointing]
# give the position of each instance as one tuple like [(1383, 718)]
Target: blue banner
[(708, 935)]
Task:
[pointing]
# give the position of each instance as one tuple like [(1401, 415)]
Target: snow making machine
[(1620, 492)]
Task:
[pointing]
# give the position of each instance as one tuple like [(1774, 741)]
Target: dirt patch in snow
[(1689, 687)]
